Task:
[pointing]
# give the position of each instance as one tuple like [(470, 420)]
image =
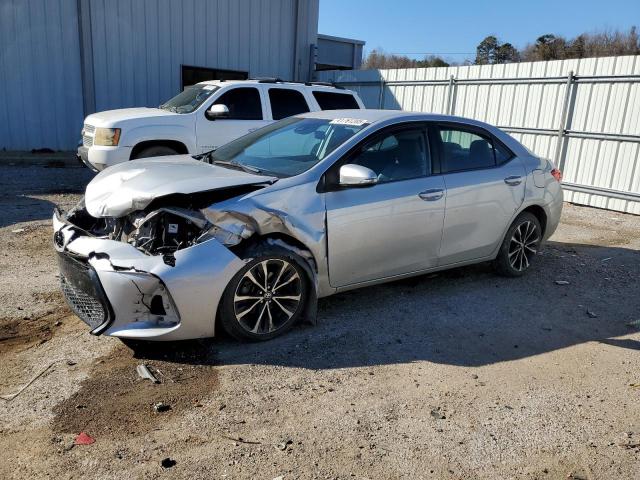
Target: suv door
[(485, 185), (246, 113), (390, 228)]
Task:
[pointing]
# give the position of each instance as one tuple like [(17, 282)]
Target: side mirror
[(217, 111), (357, 176)]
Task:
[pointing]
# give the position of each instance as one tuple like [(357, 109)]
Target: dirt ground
[(457, 375)]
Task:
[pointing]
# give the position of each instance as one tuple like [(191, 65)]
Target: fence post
[(564, 121), (450, 88), (381, 96)]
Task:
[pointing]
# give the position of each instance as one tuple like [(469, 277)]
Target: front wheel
[(265, 298), (519, 246)]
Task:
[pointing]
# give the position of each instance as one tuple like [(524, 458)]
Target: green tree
[(506, 53), (486, 50)]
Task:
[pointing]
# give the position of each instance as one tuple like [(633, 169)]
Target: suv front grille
[(88, 308), (87, 135)]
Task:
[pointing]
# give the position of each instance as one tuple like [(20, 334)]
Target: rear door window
[(286, 102), (335, 101), (465, 150), (243, 103)]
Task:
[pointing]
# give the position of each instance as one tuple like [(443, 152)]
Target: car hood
[(109, 118), (131, 186)]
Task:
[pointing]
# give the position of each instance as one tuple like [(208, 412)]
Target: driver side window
[(400, 155), (243, 103)]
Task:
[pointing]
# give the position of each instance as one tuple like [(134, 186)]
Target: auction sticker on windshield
[(355, 122)]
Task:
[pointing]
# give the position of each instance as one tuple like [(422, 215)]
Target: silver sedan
[(249, 236)]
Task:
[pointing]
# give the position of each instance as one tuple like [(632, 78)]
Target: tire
[(250, 309), (155, 151), (519, 247)]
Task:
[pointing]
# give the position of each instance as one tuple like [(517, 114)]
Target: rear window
[(335, 101), (286, 102)]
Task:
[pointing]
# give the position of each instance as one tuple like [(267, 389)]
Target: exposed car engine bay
[(159, 231)]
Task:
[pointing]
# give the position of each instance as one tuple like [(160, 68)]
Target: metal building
[(63, 59), (338, 53)]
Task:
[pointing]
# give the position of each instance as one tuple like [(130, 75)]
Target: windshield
[(290, 146), (189, 99)]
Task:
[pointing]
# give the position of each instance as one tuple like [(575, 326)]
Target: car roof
[(389, 117), (371, 115), (257, 81)]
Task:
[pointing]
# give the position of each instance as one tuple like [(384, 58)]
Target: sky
[(453, 28)]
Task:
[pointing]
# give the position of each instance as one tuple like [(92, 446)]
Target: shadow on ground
[(466, 317), (21, 188)]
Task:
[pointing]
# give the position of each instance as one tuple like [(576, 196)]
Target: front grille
[(89, 309), (87, 140)]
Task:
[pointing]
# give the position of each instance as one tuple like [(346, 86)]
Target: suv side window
[(286, 102), (465, 150), (243, 103), (399, 155), (335, 101)]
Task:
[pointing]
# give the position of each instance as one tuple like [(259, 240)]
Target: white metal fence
[(584, 114)]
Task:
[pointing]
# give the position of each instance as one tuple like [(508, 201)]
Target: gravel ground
[(458, 375)]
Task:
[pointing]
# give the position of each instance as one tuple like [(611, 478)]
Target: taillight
[(557, 174)]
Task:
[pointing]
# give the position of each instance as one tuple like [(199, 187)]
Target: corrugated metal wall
[(531, 109), (130, 55), (40, 86), (138, 47)]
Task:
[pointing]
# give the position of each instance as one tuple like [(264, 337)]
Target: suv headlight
[(107, 137)]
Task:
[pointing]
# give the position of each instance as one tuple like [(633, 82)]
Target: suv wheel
[(519, 246)]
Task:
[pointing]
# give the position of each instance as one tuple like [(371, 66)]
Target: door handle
[(513, 180), (432, 194)]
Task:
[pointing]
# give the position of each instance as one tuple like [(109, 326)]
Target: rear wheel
[(155, 151), (519, 246), (265, 298)]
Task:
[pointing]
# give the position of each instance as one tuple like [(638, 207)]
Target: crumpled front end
[(154, 282)]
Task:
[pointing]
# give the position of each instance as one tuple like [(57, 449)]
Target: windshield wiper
[(208, 157), (236, 166)]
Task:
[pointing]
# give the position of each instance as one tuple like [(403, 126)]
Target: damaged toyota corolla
[(249, 236)]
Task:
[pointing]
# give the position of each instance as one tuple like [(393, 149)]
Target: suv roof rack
[(268, 80), (324, 84), (308, 84)]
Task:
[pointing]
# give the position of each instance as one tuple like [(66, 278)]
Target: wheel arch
[(538, 212), (176, 145), (307, 261)]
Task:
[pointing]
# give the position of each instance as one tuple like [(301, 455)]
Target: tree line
[(546, 47)]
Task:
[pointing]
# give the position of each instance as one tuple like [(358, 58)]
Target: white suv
[(201, 118)]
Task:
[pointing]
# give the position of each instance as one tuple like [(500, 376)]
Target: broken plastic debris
[(144, 372), (562, 282), (84, 439), (17, 230)]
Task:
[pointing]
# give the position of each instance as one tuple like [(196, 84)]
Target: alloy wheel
[(267, 296), (523, 245)]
